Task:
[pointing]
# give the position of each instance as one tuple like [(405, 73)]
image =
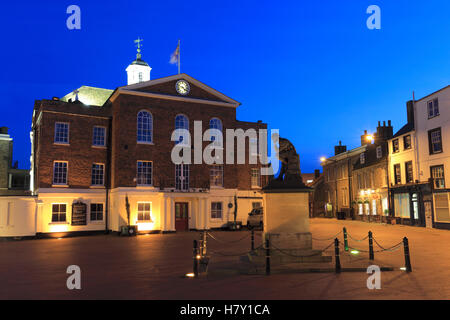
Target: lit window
[(433, 108), (61, 132), (256, 178), (60, 172), (181, 122), (144, 211), (98, 137), (182, 176), (59, 212), (437, 173), (216, 176), (144, 127), (144, 173), (216, 210), (98, 170), (96, 211)]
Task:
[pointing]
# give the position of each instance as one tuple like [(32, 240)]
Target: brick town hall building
[(95, 150)]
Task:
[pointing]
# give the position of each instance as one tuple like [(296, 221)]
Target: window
[(256, 178), (435, 141), (362, 158), (437, 173), (344, 200), (409, 172), (140, 76), (98, 170), (256, 205), (216, 176), (144, 173), (215, 123), (182, 176), (441, 211), (181, 122), (96, 211), (60, 173), (379, 152), (395, 147), (216, 210), (99, 137), (61, 132), (59, 212), (397, 174), (402, 205), (433, 108), (406, 142), (144, 211), (144, 127)]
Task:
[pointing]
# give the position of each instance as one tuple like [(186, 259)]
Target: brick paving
[(152, 267)]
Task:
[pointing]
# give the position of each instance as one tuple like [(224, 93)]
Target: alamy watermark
[(74, 280), (213, 153), (374, 281), (374, 21), (73, 22)]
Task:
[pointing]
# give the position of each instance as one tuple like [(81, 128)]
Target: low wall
[(17, 216)]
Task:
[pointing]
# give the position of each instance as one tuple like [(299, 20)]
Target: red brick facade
[(119, 116)]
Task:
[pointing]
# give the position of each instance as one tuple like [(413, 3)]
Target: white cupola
[(138, 70)]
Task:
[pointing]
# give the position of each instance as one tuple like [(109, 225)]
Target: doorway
[(181, 216)]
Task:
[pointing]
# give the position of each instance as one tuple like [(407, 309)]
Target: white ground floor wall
[(28, 216)]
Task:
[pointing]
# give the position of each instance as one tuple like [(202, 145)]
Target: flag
[(175, 57)]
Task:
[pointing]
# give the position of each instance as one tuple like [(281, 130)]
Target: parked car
[(255, 218)]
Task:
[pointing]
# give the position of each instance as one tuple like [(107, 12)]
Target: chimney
[(410, 111), (383, 132), (339, 149), (3, 130), (316, 173)]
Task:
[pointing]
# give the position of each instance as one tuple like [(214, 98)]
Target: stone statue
[(289, 176)]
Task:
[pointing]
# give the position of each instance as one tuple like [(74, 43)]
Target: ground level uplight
[(354, 252)]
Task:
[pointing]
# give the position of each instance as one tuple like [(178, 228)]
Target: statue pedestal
[(286, 218), (286, 225)]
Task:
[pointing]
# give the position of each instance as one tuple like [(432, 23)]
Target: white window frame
[(137, 173), (216, 176), (182, 180), (144, 137), (66, 213), (104, 136), (253, 176), (68, 133), (90, 212), (144, 211), (67, 173), (103, 175), (216, 211)]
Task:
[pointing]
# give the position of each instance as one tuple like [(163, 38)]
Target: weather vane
[(138, 44)]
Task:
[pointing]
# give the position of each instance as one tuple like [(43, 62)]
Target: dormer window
[(379, 152), (362, 158)]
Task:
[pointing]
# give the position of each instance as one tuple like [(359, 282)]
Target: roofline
[(185, 77), (432, 93), (345, 154), (122, 90)]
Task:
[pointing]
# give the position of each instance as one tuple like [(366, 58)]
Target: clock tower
[(139, 70)]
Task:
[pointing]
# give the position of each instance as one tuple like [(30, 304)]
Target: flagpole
[(179, 57)]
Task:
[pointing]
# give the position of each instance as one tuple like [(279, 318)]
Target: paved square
[(152, 267)]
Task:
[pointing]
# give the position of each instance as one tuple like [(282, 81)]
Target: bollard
[(195, 253), (205, 246), (336, 255), (407, 257), (253, 240), (267, 257), (371, 255), (345, 239)]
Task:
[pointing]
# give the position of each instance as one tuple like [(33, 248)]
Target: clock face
[(182, 87)]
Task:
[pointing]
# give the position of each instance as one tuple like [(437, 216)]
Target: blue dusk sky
[(311, 69)]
